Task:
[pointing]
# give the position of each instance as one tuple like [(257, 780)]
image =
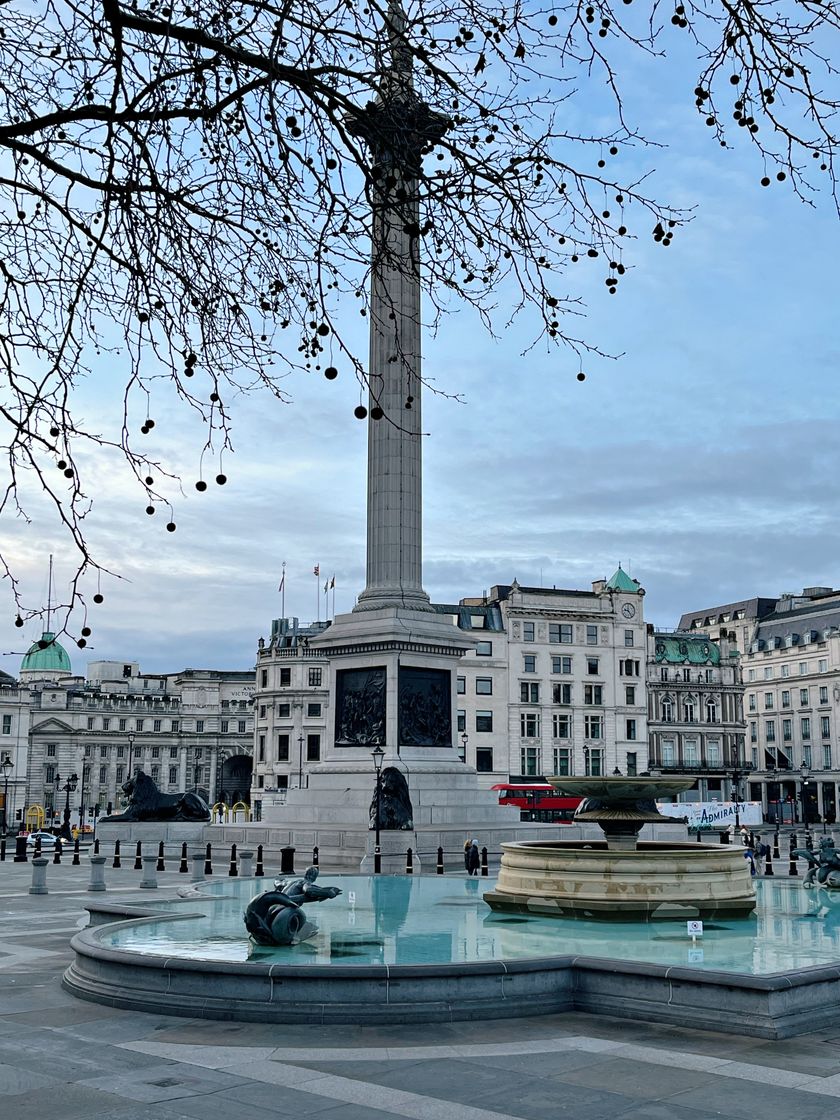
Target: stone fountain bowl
[(655, 880), (620, 788)]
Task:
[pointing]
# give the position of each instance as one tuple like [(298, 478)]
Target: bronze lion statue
[(147, 803), (395, 810)]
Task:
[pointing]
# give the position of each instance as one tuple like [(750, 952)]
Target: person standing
[(473, 859)]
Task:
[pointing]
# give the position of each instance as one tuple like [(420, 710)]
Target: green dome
[(46, 656)]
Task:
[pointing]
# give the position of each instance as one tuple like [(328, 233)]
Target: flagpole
[(332, 585), (317, 592), (283, 592)]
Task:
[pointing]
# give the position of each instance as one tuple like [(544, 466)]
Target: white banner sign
[(712, 814)]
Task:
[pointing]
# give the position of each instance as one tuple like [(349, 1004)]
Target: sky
[(704, 458)]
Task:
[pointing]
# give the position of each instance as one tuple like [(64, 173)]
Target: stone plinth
[(152, 832), (657, 880)]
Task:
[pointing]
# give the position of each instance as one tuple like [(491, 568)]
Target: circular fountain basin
[(428, 949), (655, 879)]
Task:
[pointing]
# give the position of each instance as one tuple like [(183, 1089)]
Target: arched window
[(688, 709), (711, 711), (667, 710)]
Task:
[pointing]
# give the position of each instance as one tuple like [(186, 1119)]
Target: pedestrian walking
[(467, 846), (473, 859)]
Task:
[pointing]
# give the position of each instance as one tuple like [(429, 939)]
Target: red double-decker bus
[(538, 802)]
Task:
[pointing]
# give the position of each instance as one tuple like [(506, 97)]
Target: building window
[(786, 670), (284, 711), (785, 700), (805, 727), (591, 635), (686, 675), (283, 748), (49, 774), (561, 726), (632, 765), (826, 756), (753, 732), (484, 721), (529, 693), (804, 698), (787, 730), (561, 693), (628, 667), (560, 633), (667, 711), (50, 750), (462, 686), (484, 649), (629, 694), (752, 674), (529, 761), (823, 694), (173, 775), (806, 754), (155, 775), (484, 760), (103, 774), (175, 724), (713, 752), (822, 666), (594, 758), (593, 694), (103, 751), (156, 725), (262, 711), (667, 752), (462, 719), (527, 631), (484, 686), (825, 727), (264, 678), (138, 725), (561, 664), (768, 700), (285, 676), (768, 672), (199, 725), (803, 668), (592, 666), (690, 752), (173, 752), (529, 663), (711, 711), (315, 677), (119, 774), (770, 731), (121, 724), (120, 752), (241, 726), (9, 718), (106, 723), (224, 725), (631, 729), (313, 748), (313, 709), (529, 725), (562, 761), (155, 752), (197, 753), (751, 701), (663, 674), (688, 710), (261, 749), (593, 727)]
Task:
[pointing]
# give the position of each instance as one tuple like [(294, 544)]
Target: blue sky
[(704, 458)]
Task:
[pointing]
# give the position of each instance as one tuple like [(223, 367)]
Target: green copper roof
[(620, 581), (46, 656), (682, 649)]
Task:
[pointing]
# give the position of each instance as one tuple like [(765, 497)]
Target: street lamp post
[(804, 774), (68, 788), (377, 754), (736, 787), (82, 806), (464, 740), (6, 766), (130, 754), (300, 761)]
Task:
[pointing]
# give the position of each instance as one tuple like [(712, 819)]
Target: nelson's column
[(393, 659)]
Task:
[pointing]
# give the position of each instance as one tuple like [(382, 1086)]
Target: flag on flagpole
[(282, 581), (326, 586), (317, 570), (332, 582)]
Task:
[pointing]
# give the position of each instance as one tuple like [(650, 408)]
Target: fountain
[(622, 877)]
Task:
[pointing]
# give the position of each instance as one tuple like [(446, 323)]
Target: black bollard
[(809, 841), (792, 869), (724, 837), (76, 861), (57, 852), (20, 850), (233, 870), (440, 861), (752, 840), (699, 841), (768, 866), (776, 853), (110, 808), (287, 861), (208, 860), (37, 848), (794, 843), (138, 857), (96, 846), (182, 866), (117, 862), (484, 869), (260, 872), (3, 850), (315, 856), (409, 862), (160, 865)]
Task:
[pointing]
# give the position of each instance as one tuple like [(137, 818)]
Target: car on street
[(47, 839)]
